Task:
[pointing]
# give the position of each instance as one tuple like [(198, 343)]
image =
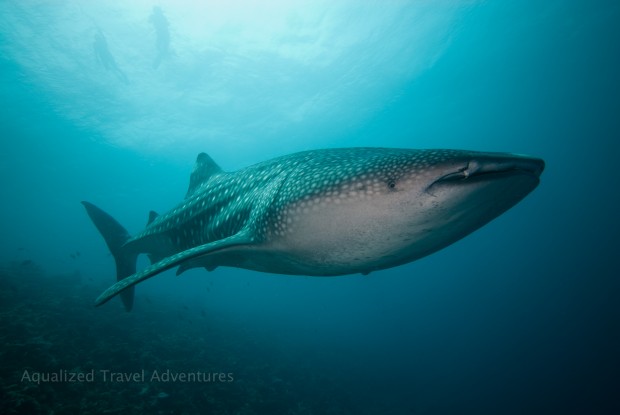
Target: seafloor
[(48, 325)]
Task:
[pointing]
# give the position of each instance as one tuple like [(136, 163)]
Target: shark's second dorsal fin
[(152, 216), (204, 168)]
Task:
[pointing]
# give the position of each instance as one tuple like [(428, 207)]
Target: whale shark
[(323, 212)]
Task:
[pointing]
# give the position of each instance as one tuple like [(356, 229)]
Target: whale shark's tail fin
[(115, 237)]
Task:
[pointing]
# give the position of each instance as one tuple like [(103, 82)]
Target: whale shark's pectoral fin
[(239, 239)]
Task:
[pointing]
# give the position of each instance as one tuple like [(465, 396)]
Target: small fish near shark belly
[(322, 212)]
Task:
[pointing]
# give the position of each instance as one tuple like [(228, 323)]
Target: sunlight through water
[(185, 76)]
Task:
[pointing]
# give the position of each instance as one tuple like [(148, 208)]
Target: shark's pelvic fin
[(204, 169), (115, 237), (189, 265), (121, 286)]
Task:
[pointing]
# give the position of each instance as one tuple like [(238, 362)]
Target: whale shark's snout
[(470, 189), (512, 164), (486, 167), (487, 176)]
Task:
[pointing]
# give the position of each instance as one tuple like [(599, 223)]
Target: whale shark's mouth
[(492, 168)]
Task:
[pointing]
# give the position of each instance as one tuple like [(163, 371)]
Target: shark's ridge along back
[(321, 212)]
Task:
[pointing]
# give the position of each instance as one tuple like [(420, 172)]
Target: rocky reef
[(60, 355)]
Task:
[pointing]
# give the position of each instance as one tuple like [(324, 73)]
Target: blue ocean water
[(111, 101)]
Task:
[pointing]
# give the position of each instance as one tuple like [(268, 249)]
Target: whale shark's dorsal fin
[(204, 169), (152, 216)]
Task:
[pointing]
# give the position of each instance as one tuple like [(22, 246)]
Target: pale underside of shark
[(321, 213)]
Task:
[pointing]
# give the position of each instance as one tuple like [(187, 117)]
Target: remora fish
[(321, 213)]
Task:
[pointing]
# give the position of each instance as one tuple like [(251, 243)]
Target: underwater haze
[(111, 102)]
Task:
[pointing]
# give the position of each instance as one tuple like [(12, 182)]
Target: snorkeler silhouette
[(160, 23), (100, 45)]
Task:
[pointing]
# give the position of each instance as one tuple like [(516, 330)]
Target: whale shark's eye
[(391, 183)]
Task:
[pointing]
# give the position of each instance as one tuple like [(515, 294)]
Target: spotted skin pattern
[(318, 212), (223, 203)]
